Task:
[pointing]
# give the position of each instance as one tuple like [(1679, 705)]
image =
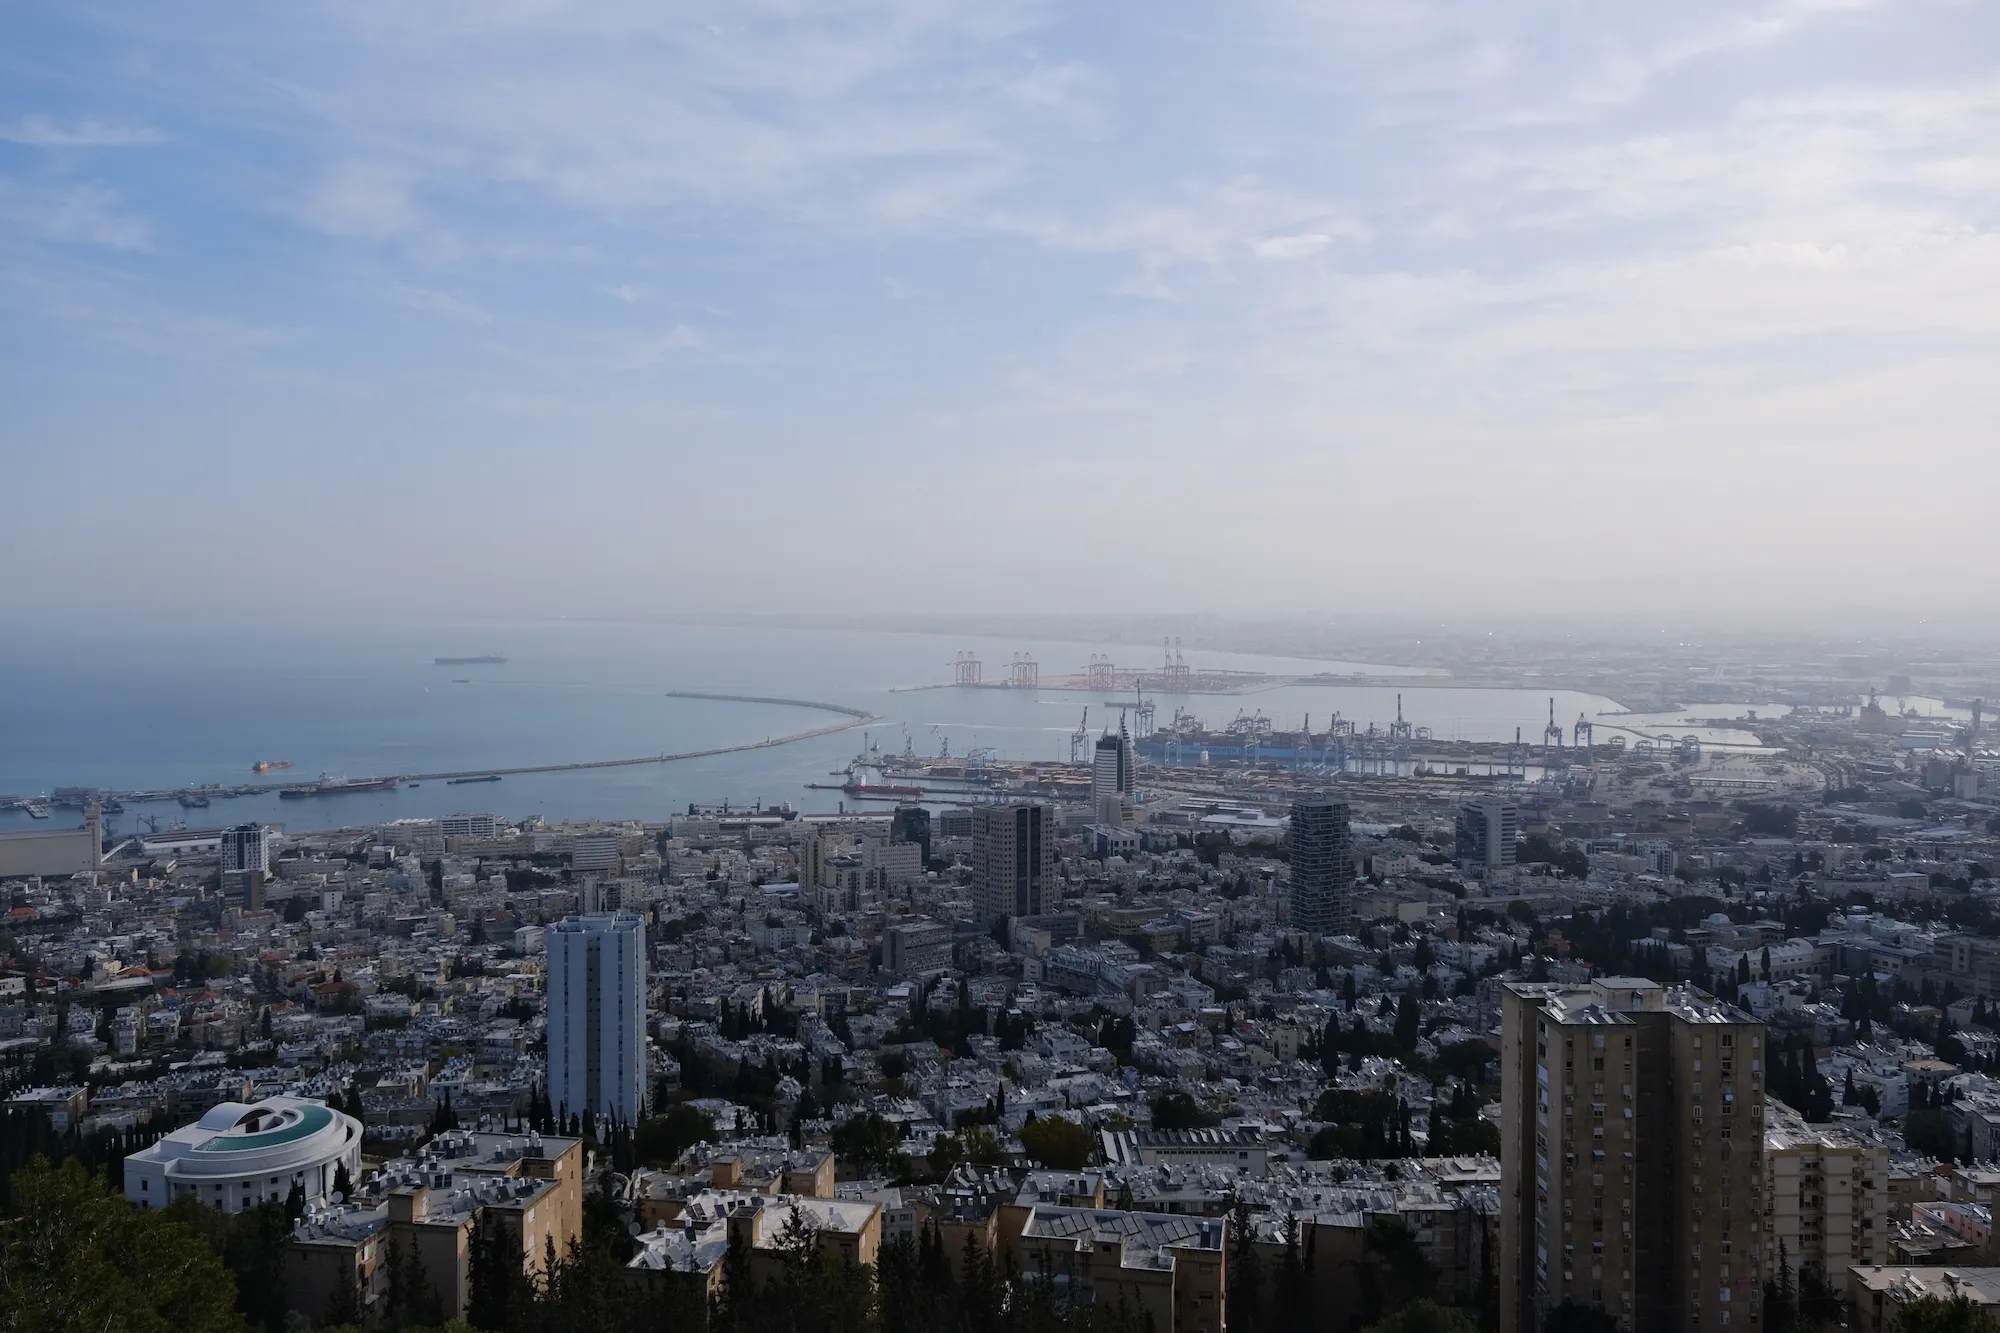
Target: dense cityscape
[(1196, 1029), (999, 666)]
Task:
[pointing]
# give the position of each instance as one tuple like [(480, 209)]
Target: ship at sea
[(881, 791), (469, 661), (337, 787), (460, 782), (267, 765), (864, 776)]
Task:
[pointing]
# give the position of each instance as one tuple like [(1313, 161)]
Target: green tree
[(1291, 1291), (1942, 1314), (1570, 1317), (1244, 1294), (982, 1146), (867, 1138), (89, 1261), (343, 1305), (1394, 1270), (1062, 1145), (1177, 1110), (498, 1293), (661, 1140), (412, 1300), (252, 1244), (1424, 1316), (1780, 1293)]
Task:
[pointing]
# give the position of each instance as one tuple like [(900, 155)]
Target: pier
[(856, 717), (851, 718)]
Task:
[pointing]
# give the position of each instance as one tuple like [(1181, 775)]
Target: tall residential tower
[(597, 1015), (1631, 1156), (1488, 828), (1013, 860), (1319, 847)]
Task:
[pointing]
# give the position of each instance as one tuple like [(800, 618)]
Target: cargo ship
[(337, 787), (880, 790), (267, 765), (469, 661), (460, 782)]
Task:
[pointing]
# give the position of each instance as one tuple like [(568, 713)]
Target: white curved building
[(237, 1156)]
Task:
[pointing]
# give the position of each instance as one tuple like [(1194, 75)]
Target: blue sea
[(125, 709)]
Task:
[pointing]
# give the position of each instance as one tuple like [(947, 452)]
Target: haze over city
[(1353, 307), (895, 666)]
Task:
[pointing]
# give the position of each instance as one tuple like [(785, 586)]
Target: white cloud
[(43, 132), (1469, 260), (1301, 246), (83, 214), (366, 199), (662, 348)]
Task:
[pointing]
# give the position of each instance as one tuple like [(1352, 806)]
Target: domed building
[(237, 1156)]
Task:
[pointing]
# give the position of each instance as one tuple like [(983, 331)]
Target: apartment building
[(1013, 861), (529, 1187), (1319, 842), (1826, 1196), (1632, 1143)]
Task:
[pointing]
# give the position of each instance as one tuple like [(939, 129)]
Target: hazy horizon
[(1270, 310)]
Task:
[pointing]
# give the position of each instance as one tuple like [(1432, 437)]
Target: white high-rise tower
[(1111, 779), (597, 1016)]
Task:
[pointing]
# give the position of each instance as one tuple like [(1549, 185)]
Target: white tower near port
[(597, 1015), (1111, 778)]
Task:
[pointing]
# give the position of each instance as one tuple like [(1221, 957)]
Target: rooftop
[(1145, 1240)]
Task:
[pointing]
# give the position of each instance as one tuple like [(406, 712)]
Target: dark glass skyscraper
[(1320, 847), (912, 823)]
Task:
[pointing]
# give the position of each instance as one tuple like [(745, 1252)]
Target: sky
[(861, 305)]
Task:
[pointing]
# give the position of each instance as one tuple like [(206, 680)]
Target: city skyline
[(1690, 292), (1003, 667)]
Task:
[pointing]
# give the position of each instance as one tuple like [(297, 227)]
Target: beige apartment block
[(1632, 1153), (1826, 1196)]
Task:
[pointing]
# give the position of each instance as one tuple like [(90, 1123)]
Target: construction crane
[(1399, 730), (976, 759), (1140, 710)]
